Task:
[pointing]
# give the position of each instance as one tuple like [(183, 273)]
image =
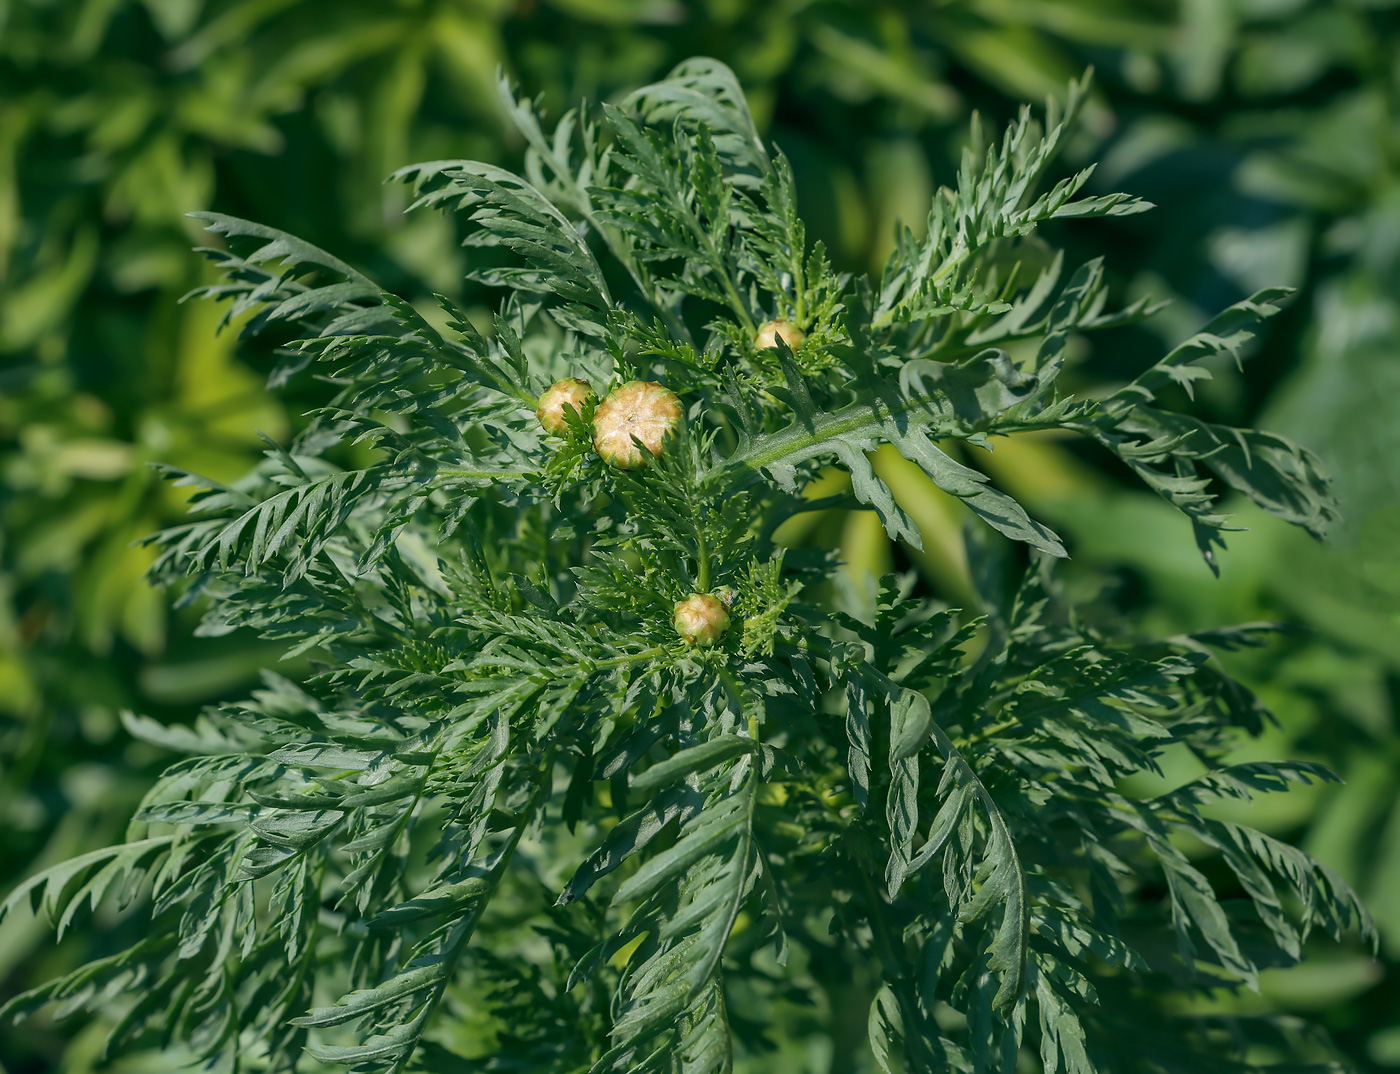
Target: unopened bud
[(569, 392), (701, 619), (770, 332), (642, 409)]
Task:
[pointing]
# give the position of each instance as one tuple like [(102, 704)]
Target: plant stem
[(454, 471), (702, 556), (633, 658)]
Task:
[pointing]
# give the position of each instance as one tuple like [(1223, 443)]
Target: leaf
[(353, 304), (316, 755), (279, 246), (1283, 478), (364, 1001), (673, 990), (1225, 333), (1243, 781), (712, 828), (1193, 902), (696, 759), (50, 892), (202, 739), (1062, 1042), (1003, 879), (993, 201), (520, 218), (858, 738), (938, 401), (443, 898), (703, 94), (910, 726), (384, 1050), (886, 1031), (630, 836)]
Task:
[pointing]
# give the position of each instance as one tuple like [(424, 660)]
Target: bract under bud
[(701, 619), (770, 332), (562, 393), (642, 409)]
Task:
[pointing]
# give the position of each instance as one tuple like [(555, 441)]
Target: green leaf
[(1225, 333), (959, 401), (444, 898), (690, 761), (364, 1001), (630, 836)]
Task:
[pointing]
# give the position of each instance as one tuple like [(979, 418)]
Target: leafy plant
[(519, 815)]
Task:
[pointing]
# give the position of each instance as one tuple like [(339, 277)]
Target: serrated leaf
[(365, 1001), (691, 761)]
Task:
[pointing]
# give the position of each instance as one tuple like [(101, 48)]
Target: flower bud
[(567, 392), (701, 619), (770, 332), (640, 408)]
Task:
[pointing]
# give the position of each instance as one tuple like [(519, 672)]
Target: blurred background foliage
[(1268, 132)]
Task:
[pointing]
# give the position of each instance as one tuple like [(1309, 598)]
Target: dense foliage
[(513, 814), (1266, 131)]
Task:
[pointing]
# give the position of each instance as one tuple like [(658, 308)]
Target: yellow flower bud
[(770, 332), (701, 619), (640, 408), (567, 392)]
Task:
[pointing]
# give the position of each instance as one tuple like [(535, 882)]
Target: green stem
[(633, 658), (738, 305), (455, 471), (799, 272), (531, 402), (995, 729), (702, 557), (879, 927)]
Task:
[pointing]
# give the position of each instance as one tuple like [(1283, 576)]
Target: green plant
[(515, 815)]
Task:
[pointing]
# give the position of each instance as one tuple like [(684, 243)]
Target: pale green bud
[(569, 392), (701, 619), (642, 409)]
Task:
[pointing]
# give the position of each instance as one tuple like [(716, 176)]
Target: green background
[(1267, 131)]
